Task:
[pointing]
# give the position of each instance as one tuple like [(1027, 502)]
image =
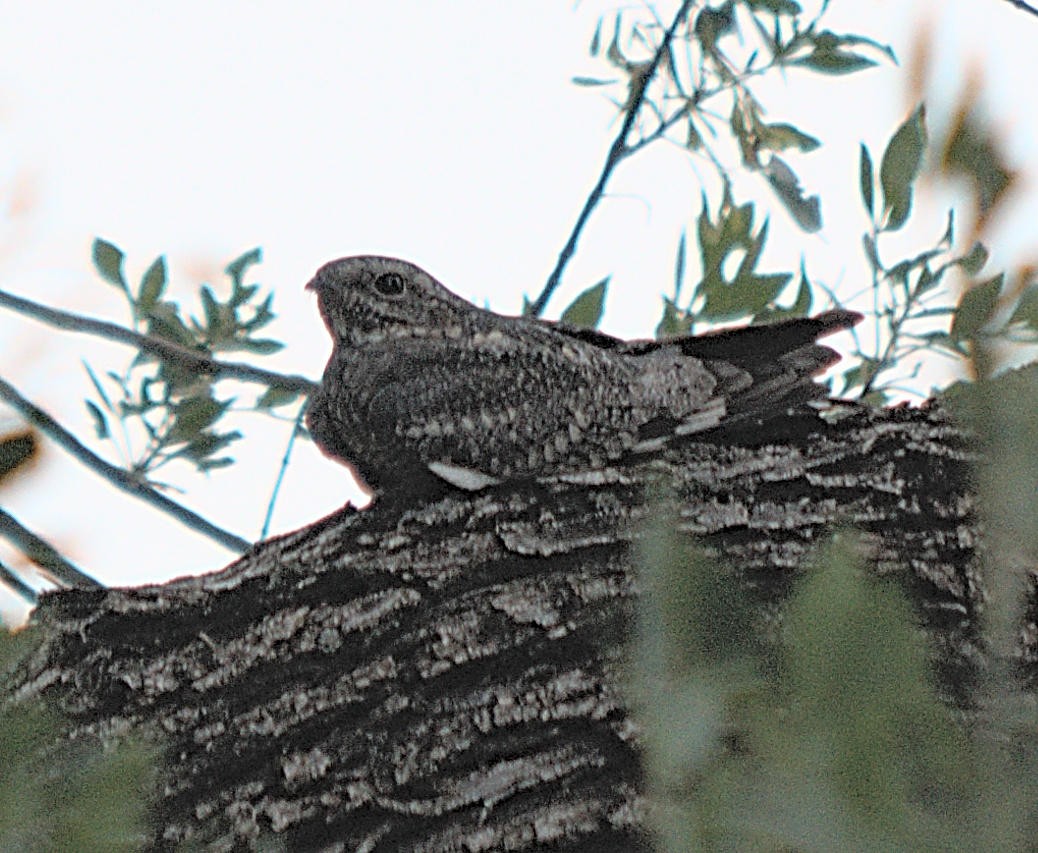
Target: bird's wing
[(501, 405), (780, 359)]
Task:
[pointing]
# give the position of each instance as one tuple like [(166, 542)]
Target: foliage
[(707, 73), (66, 795), (711, 63), (830, 737), (176, 409)]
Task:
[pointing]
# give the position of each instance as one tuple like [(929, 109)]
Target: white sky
[(447, 133)]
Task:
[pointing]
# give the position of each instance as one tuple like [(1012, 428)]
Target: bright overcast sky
[(447, 133)]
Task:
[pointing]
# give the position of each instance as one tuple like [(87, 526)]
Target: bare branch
[(43, 554), (617, 152), (14, 582), (1024, 7), (296, 427), (154, 346), (123, 480)]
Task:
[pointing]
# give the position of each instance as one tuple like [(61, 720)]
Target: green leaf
[(867, 180), (614, 55), (745, 134), (98, 387), (208, 443), (976, 308), (100, 421), (943, 340), (262, 317), (712, 23), (927, 280), (776, 7), (213, 464), (259, 346), (871, 253), (242, 294), (835, 62), (152, 285), (274, 397), (973, 261), (596, 39), (829, 55), (164, 321), (899, 272), (1026, 310), (211, 308), (236, 268), (195, 414), (842, 621), (108, 260), (802, 304), (694, 140), (674, 321), (806, 211), (900, 167), (779, 137), (974, 152), (586, 310)]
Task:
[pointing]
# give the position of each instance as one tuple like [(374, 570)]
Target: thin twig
[(116, 476), (617, 152), (281, 472), (13, 581), (154, 346), (1023, 7), (43, 554)]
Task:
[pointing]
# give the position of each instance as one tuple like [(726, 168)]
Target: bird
[(423, 387)]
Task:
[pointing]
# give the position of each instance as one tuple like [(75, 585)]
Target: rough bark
[(448, 675)]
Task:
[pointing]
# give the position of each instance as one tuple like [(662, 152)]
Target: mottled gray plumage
[(422, 381)]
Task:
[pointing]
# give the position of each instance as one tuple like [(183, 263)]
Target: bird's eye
[(390, 284)]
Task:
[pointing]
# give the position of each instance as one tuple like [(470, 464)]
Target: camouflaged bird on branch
[(420, 382)]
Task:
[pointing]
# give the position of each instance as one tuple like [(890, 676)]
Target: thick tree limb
[(446, 676)]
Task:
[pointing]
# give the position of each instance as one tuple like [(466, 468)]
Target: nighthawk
[(421, 382)]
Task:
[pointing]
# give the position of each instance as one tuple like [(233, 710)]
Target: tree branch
[(14, 582), (617, 152), (121, 479), (43, 554), (154, 346), (1024, 7)]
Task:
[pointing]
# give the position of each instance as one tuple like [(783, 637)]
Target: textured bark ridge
[(448, 675)]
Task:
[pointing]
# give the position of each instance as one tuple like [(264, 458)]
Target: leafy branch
[(190, 359), (665, 99), (125, 481), (173, 404), (640, 77), (911, 307), (165, 394)]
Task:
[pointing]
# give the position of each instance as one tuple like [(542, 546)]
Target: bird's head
[(366, 299)]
